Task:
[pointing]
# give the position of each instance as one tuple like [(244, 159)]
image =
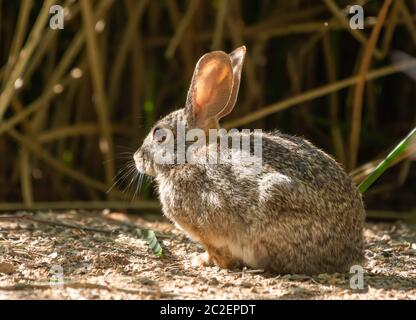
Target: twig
[(180, 31), (48, 93), (380, 214), (22, 21), (101, 104), (75, 46), (354, 140), (184, 46), (235, 29), (24, 158), (256, 32), (137, 59), (356, 33), (47, 40), (336, 133), (408, 20), (219, 24), (28, 217), (31, 108), (25, 176), (318, 92), (82, 285), (126, 40), (25, 55), (37, 149), (78, 130), (390, 27), (131, 227), (88, 205)]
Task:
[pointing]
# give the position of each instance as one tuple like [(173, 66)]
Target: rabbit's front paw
[(202, 260)]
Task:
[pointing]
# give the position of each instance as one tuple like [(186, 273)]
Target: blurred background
[(76, 102)]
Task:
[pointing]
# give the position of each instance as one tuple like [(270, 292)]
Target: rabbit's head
[(211, 96)]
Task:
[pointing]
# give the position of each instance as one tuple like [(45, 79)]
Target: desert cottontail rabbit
[(299, 213)]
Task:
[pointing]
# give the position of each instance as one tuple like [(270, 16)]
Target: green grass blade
[(385, 164), (150, 237)]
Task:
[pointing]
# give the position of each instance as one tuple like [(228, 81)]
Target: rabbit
[(300, 213)]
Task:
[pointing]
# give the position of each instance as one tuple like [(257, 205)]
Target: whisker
[(124, 153), (138, 186), (123, 174), (119, 179), (126, 148), (131, 181), (115, 159), (128, 175)]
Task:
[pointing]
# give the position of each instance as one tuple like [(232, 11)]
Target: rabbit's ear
[(211, 89), (237, 60)]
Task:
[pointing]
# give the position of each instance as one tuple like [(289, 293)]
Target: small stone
[(213, 282), (147, 282), (53, 255), (298, 290), (386, 253), (298, 277), (7, 267), (246, 284), (385, 238), (203, 288), (414, 246)]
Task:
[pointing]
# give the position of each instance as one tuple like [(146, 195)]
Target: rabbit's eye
[(159, 135)]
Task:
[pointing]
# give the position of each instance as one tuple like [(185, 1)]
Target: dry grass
[(74, 103)]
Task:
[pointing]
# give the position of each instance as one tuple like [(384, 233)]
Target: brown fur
[(300, 214)]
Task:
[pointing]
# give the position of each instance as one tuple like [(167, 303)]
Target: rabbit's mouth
[(143, 166)]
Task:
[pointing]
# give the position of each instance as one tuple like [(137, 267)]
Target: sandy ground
[(42, 260)]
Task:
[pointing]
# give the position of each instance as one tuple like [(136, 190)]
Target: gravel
[(47, 261)]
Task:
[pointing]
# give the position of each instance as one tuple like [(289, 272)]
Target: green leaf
[(150, 237), (386, 163)]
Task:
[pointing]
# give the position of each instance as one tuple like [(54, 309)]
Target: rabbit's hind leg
[(202, 260), (223, 258), (216, 256)]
